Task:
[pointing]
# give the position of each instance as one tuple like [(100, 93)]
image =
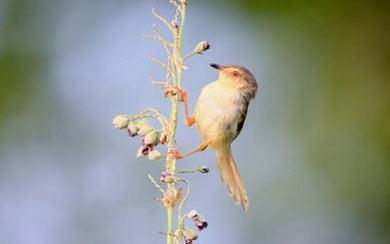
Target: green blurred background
[(314, 153)]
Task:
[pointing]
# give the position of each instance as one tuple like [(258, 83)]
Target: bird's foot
[(190, 121), (174, 154)]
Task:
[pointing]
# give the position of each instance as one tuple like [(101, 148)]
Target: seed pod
[(152, 138), (144, 129), (154, 155), (120, 121), (201, 47)]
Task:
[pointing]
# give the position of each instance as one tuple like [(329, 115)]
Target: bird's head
[(237, 76)]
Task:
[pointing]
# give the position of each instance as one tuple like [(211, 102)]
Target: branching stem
[(178, 63)]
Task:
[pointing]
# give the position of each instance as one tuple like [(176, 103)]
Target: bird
[(219, 116)]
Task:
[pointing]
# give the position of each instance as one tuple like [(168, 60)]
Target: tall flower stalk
[(137, 125)]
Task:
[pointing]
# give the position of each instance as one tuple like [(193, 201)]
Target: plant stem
[(171, 163), (170, 226)]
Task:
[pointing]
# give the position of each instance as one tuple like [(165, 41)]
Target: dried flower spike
[(172, 197)]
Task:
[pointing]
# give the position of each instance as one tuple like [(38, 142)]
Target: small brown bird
[(219, 116)]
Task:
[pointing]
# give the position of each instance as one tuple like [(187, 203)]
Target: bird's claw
[(189, 121), (174, 154)]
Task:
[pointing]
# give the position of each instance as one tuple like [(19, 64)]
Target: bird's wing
[(239, 123)]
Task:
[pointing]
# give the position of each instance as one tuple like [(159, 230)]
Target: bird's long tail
[(231, 176)]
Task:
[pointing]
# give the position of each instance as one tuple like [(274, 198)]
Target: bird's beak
[(216, 66)]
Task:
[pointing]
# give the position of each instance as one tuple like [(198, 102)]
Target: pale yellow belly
[(216, 112)]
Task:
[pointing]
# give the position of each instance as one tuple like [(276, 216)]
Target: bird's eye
[(236, 74)]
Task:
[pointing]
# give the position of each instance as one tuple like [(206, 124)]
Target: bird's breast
[(218, 112)]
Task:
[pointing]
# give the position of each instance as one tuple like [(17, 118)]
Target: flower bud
[(144, 129), (201, 47), (174, 24), (163, 137), (152, 138), (132, 128), (154, 155), (203, 169), (193, 214), (189, 235), (144, 150), (199, 221), (120, 121), (201, 225), (167, 177)]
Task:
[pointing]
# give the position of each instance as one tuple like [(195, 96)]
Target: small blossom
[(189, 235), (120, 121), (167, 177), (144, 150), (152, 138), (203, 169), (154, 155), (201, 47)]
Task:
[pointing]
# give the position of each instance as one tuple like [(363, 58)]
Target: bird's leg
[(175, 154), (190, 120), (171, 90)]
